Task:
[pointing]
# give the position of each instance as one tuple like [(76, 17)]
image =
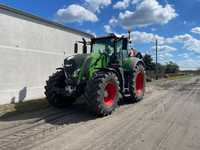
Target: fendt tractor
[(104, 76)]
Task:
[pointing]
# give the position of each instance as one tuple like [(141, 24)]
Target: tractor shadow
[(126, 101), (33, 112)]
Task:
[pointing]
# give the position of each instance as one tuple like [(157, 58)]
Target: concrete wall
[(30, 51)]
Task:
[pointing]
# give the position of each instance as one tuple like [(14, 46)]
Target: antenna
[(129, 38), (129, 35)]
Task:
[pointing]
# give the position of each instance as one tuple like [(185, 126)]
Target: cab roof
[(110, 36)]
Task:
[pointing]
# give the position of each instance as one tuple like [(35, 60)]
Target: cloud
[(190, 43), (113, 22), (164, 53), (135, 1), (165, 48), (125, 4), (196, 30), (90, 32), (96, 5), (144, 37), (108, 28), (184, 55), (80, 13), (147, 12), (75, 13), (165, 57), (122, 4)]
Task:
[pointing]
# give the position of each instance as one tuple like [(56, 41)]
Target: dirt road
[(168, 119)]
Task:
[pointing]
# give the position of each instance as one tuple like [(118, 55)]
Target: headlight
[(68, 65)]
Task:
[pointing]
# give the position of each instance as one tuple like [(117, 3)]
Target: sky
[(174, 23)]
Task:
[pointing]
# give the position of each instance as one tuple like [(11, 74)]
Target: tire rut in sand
[(30, 132)]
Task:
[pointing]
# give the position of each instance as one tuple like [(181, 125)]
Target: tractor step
[(126, 92)]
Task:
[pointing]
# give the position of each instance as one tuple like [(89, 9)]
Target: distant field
[(180, 77)]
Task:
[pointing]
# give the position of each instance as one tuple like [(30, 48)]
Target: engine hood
[(75, 61), (83, 64)]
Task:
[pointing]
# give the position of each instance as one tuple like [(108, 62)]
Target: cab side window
[(124, 48), (122, 53)]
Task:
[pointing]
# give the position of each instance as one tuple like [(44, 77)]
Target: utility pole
[(156, 59)]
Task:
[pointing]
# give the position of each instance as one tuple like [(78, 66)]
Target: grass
[(22, 107), (180, 77)]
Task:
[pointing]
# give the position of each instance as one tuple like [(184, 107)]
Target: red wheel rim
[(139, 84), (110, 94)]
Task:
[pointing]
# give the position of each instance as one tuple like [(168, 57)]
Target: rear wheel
[(53, 91), (137, 84), (102, 93)]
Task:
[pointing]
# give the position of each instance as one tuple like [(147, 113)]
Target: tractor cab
[(115, 48)]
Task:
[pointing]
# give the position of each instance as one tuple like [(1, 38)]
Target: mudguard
[(135, 61)]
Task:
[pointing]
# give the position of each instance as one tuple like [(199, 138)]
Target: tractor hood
[(75, 62), (81, 63)]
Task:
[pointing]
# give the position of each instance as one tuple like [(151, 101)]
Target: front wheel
[(137, 83), (102, 93), (55, 84)]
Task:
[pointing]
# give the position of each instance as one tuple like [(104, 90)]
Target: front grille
[(69, 70), (70, 67)]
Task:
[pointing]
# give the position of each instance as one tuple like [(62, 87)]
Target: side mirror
[(125, 44), (76, 48), (84, 46), (84, 49)]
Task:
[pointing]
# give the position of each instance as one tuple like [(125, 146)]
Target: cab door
[(121, 50), (124, 54)]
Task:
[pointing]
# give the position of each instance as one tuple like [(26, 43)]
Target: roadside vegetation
[(170, 70)]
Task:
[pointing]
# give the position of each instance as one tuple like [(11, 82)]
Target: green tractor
[(104, 76)]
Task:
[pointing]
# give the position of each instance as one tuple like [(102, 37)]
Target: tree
[(148, 61), (161, 69), (171, 67), (198, 71)]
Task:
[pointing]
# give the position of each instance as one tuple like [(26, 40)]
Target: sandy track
[(167, 118)]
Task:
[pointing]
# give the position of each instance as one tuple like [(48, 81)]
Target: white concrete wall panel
[(30, 51)]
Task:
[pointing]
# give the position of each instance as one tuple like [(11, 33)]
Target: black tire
[(101, 84), (137, 86), (54, 97)]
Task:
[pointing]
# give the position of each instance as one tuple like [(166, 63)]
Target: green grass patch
[(182, 77), (24, 107)]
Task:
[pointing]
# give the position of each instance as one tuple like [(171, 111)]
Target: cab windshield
[(103, 46)]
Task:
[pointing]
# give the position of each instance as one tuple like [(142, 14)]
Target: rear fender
[(136, 61)]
